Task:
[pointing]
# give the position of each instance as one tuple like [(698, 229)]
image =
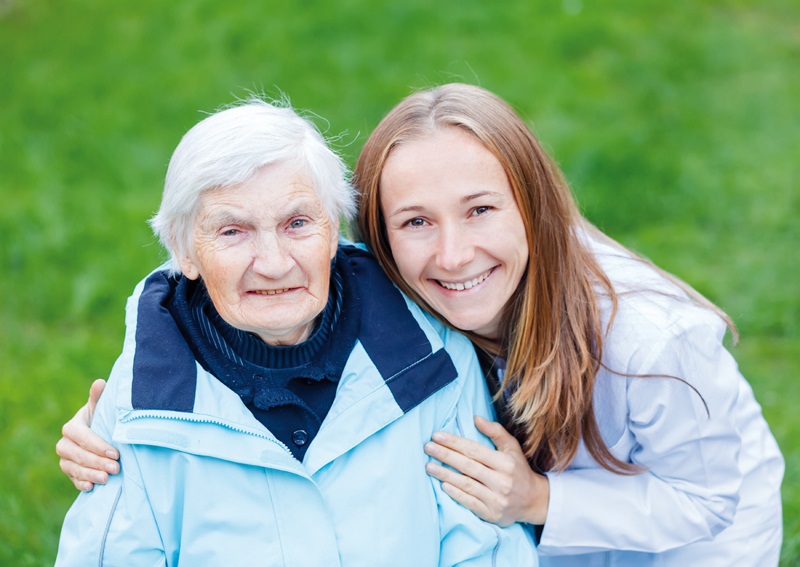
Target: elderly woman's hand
[(496, 485), (85, 457)]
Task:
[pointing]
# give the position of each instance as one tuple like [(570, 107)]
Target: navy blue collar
[(241, 347), (164, 375), (260, 373)]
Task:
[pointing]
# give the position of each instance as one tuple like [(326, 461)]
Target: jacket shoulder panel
[(164, 369), (412, 362)]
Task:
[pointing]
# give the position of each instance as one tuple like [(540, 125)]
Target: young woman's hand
[(85, 457), (496, 485)]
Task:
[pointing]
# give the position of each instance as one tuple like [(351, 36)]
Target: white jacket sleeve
[(689, 490), (466, 540), (112, 525)]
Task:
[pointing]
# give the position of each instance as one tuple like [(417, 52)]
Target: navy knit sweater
[(289, 389)]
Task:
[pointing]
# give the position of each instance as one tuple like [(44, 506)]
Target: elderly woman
[(275, 390)]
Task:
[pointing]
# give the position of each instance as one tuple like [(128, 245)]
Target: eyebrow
[(480, 195), (223, 218), (464, 200), (300, 206)]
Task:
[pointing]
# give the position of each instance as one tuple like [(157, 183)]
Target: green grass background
[(675, 122)]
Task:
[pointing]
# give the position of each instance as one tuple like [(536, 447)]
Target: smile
[(271, 291), (461, 286)]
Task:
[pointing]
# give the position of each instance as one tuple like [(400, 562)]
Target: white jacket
[(711, 491)]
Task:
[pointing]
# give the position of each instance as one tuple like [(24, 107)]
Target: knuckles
[(504, 489), (505, 464)]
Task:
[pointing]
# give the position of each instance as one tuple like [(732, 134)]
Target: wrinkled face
[(454, 228), (263, 249)]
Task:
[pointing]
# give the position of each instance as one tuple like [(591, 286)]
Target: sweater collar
[(244, 347)]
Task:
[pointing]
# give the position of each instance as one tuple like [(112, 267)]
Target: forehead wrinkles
[(271, 203)]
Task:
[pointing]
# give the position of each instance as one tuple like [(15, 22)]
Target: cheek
[(407, 274), (219, 275), (411, 271), (517, 243), (406, 253), (316, 265), (220, 293)]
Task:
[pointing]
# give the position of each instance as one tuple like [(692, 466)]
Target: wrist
[(537, 509)]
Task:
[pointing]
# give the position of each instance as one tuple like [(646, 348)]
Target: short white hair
[(228, 148)]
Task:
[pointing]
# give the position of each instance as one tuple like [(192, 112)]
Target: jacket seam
[(496, 550), (107, 528)]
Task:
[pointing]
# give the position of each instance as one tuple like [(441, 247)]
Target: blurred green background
[(675, 122)]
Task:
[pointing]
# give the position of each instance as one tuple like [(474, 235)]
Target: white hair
[(230, 147)]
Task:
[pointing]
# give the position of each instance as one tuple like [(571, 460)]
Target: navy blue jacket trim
[(162, 356), (392, 338), (164, 367)]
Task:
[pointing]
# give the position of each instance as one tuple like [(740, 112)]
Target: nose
[(271, 257), (455, 248)]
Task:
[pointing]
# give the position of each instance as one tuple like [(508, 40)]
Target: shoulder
[(378, 294), (155, 355), (415, 353), (653, 314)]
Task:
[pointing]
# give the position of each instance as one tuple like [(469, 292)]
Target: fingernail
[(439, 437), (112, 455), (99, 478), (111, 468), (431, 448)]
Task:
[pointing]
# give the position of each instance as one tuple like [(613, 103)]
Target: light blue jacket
[(207, 484)]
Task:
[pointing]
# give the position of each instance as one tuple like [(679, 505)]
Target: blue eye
[(230, 232), (298, 223), (477, 211)]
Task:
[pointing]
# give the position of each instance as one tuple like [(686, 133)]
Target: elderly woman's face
[(263, 249)]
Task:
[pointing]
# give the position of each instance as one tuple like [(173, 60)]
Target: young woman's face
[(454, 228)]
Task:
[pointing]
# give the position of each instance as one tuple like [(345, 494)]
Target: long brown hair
[(552, 331)]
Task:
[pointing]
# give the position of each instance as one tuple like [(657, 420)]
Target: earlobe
[(334, 241), (189, 268)]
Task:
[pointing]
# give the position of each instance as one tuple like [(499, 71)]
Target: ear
[(334, 239), (189, 267)]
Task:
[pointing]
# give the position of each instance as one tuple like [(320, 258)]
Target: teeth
[(270, 291), (461, 286)]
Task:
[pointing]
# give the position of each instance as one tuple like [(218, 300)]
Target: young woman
[(636, 441)]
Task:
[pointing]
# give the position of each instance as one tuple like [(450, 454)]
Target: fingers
[(501, 438), (70, 452), (85, 458), (464, 490), (497, 485), (95, 390), (83, 468), (466, 459), (82, 486), (77, 430), (466, 447)]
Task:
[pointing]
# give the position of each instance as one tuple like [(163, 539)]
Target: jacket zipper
[(143, 414)]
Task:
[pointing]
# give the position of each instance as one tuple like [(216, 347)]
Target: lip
[(465, 284), (270, 292)]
